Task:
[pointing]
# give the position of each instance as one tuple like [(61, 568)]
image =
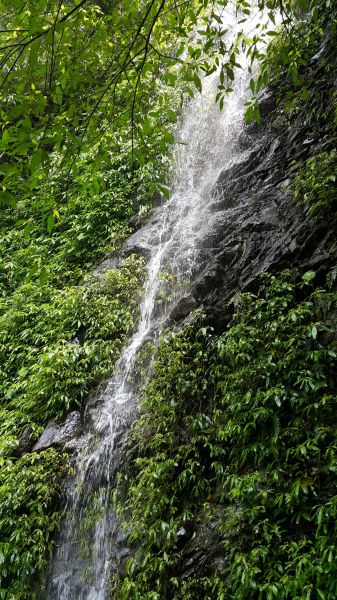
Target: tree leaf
[(7, 199)]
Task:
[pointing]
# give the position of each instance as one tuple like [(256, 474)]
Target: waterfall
[(174, 241)]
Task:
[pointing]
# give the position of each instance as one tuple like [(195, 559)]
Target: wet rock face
[(25, 441), (147, 231), (254, 223), (182, 308), (60, 435), (203, 550)]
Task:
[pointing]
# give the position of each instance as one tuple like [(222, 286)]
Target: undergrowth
[(62, 325), (239, 430), (61, 328), (29, 489), (315, 186), (56, 345)]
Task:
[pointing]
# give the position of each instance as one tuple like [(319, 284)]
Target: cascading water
[(174, 240)]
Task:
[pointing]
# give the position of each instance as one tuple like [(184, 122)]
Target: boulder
[(58, 435), (183, 307)]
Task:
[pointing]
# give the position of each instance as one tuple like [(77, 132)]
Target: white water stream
[(174, 239)]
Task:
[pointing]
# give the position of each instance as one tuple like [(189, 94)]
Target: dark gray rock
[(267, 103), (183, 307), (254, 223), (141, 242), (26, 441), (100, 270), (59, 435), (138, 221)]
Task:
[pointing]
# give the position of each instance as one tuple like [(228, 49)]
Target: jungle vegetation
[(90, 94)]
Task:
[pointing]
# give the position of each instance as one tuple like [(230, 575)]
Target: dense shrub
[(241, 426), (315, 185), (29, 489)]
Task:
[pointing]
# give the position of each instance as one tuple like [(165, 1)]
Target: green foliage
[(90, 95), (239, 428), (315, 185), (290, 49), (69, 188), (69, 71), (29, 488), (286, 57), (67, 226), (46, 370)]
